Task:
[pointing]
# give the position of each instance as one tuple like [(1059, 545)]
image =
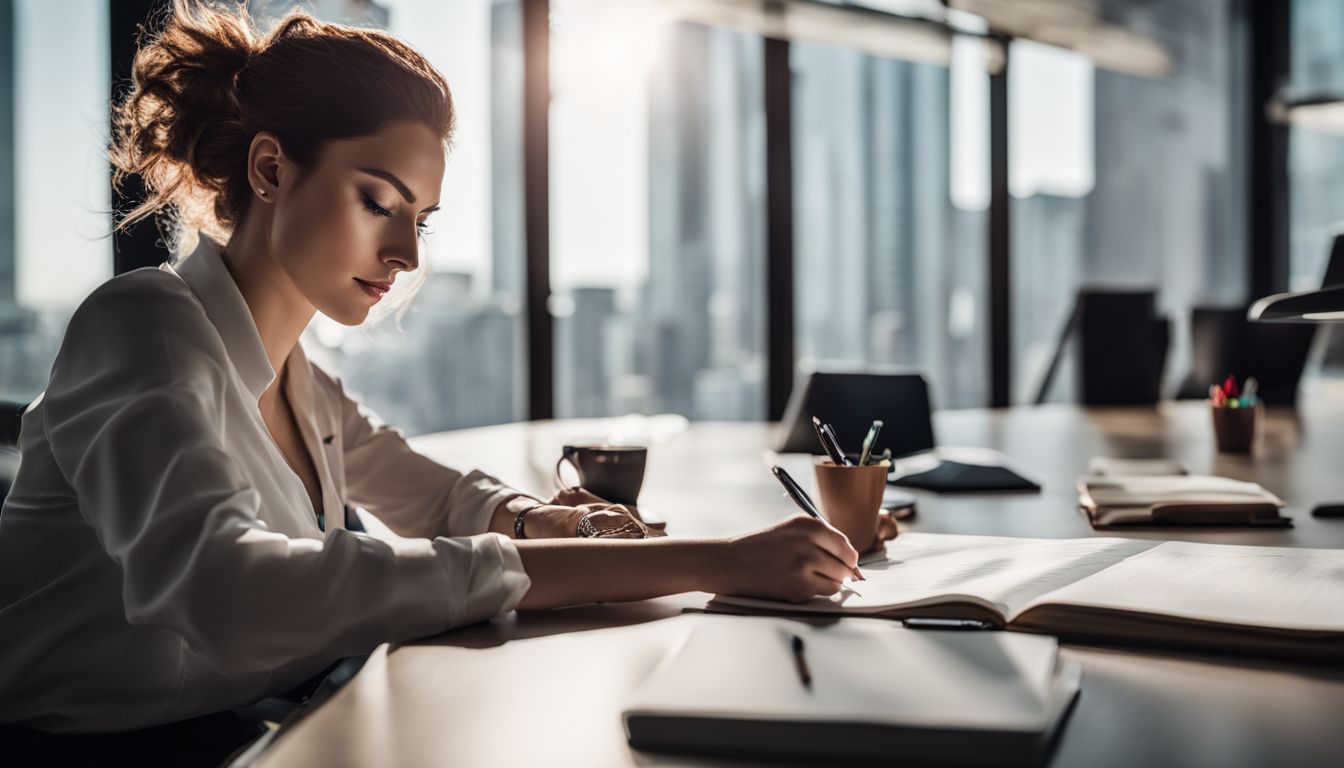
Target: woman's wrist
[(550, 521), (714, 566)]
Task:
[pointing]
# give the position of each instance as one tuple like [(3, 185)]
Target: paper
[(1276, 587), (1003, 574)]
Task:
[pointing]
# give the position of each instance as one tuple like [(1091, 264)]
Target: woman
[(176, 542)]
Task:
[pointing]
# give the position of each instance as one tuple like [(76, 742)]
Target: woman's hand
[(620, 518), (559, 517), (794, 560)]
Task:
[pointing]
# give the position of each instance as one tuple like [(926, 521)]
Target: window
[(456, 358), (1315, 157), (1125, 181), (890, 215), (657, 213), (54, 181), (1316, 160)]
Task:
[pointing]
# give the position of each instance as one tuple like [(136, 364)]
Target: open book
[(1256, 600), (873, 691)]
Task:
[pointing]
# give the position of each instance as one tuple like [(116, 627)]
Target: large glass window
[(1126, 181), (657, 205), (890, 215), (54, 184), (1315, 157), (455, 359)]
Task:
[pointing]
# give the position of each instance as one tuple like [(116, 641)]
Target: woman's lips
[(375, 290)]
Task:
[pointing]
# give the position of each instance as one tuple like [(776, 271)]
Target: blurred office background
[(675, 205)]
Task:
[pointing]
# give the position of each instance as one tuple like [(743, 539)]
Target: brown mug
[(851, 499), (612, 472)]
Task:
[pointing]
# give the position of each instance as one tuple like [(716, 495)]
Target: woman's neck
[(279, 309)]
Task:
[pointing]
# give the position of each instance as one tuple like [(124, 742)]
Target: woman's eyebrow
[(391, 178)]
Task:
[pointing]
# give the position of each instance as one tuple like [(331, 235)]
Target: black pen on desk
[(804, 502), (800, 661), (923, 622)]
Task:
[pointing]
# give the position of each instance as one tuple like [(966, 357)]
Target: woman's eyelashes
[(377, 210)]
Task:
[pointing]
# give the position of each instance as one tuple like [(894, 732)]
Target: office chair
[(1122, 348), (1224, 341)]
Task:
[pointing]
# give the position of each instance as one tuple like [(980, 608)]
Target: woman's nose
[(404, 257)]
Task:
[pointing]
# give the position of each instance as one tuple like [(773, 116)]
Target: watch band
[(519, 502), (518, 532)]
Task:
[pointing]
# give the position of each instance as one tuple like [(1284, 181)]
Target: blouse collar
[(205, 273)]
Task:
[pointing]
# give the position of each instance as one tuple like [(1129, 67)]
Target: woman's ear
[(264, 160)]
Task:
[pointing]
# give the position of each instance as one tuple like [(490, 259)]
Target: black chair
[(1121, 345), (1224, 342), (11, 418)]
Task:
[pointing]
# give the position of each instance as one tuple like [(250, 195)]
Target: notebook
[(875, 691), (1269, 601), (1177, 500), (1104, 466)]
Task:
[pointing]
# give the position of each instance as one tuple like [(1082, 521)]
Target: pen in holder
[(1238, 416), (851, 498)]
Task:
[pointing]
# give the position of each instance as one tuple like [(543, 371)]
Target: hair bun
[(182, 126), (207, 84)]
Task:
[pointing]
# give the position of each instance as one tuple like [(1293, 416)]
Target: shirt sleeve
[(134, 415), (410, 492)]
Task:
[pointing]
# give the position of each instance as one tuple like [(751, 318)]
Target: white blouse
[(159, 559)]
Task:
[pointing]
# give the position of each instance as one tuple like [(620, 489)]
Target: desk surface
[(547, 688)]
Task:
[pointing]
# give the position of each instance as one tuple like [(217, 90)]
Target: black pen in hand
[(804, 502)]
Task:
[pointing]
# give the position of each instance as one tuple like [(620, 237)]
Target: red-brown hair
[(207, 83)]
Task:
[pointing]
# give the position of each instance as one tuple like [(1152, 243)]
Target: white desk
[(547, 688)]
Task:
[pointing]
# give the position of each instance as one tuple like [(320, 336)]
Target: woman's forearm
[(570, 571)]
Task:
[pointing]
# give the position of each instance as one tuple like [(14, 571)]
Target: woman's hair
[(207, 83)]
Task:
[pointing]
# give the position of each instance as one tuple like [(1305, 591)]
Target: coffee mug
[(611, 472)]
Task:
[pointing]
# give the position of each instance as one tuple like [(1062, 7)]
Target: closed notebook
[(877, 691), (1177, 500)]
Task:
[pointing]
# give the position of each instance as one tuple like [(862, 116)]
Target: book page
[(1281, 587), (1001, 573)]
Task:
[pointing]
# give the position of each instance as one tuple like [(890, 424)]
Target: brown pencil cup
[(851, 498), (1237, 430)]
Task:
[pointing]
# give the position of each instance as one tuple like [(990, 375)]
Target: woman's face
[(345, 230)]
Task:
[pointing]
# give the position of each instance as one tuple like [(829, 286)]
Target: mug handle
[(566, 455)]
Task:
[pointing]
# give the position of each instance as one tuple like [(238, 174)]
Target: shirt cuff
[(486, 576), (473, 502)]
